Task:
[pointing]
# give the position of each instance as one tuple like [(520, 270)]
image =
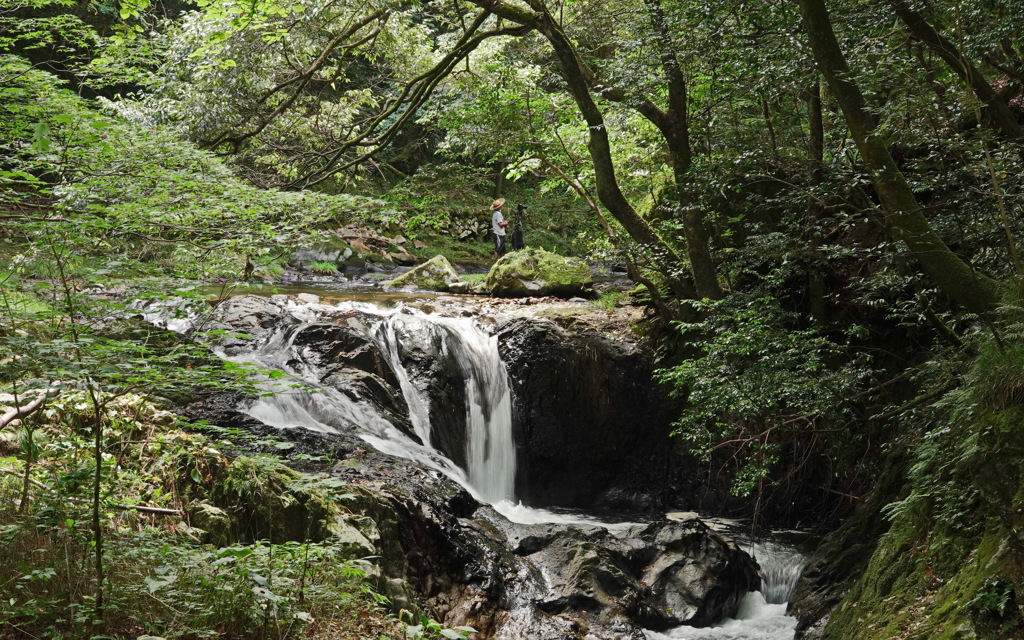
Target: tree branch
[(24, 410)]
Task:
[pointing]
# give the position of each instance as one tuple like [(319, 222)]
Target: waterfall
[(490, 451), (491, 454), (781, 567)]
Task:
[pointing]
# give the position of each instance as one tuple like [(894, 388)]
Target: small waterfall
[(761, 614), (491, 454), (780, 568), (490, 451)]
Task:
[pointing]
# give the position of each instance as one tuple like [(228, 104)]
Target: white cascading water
[(490, 451), (386, 337), (761, 614)]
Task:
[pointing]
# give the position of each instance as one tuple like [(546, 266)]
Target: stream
[(488, 472)]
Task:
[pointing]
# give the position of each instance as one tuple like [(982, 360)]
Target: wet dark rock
[(242, 320), (590, 428), (325, 345), (436, 371), (696, 577), (656, 576)]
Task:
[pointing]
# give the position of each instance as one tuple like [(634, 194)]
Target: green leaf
[(41, 137)]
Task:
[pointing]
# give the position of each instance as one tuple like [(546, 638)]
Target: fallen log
[(24, 410)]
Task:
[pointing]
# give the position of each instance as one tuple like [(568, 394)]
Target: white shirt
[(496, 220)]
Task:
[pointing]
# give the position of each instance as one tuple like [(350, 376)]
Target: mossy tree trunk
[(957, 279)]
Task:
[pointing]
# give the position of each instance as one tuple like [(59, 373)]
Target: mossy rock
[(436, 274), (536, 272), (216, 524)]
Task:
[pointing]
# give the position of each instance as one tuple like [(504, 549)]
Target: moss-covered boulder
[(436, 274), (536, 272), (215, 523)]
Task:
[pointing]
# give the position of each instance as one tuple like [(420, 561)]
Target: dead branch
[(24, 410)]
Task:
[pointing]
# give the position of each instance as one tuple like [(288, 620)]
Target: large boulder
[(590, 428), (696, 576), (240, 321), (436, 274), (536, 272), (660, 575)]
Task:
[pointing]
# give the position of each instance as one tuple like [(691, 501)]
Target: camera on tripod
[(517, 228)]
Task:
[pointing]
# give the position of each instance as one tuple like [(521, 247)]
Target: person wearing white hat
[(498, 224)]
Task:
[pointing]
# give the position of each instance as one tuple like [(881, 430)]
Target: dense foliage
[(820, 203)]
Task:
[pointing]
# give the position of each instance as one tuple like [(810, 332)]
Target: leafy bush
[(169, 586), (760, 387)]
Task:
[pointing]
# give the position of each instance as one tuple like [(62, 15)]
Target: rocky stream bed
[(444, 417)]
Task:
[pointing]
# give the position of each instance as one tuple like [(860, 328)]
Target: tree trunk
[(608, 191), (675, 128), (954, 277), (815, 278), (499, 178), (995, 108)]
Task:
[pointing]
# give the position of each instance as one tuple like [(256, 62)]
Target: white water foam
[(755, 620), (521, 514), (761, 614)]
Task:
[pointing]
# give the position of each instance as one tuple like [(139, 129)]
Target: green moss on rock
[(951, 565), (536, 272), (928, 585), (436, 274)]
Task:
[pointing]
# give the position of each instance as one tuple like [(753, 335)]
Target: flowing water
[(762, 614), (490, 452)]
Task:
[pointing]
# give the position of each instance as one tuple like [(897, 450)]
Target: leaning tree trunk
[(608, 191), (675, 128), (954, 277), (995, 108)]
